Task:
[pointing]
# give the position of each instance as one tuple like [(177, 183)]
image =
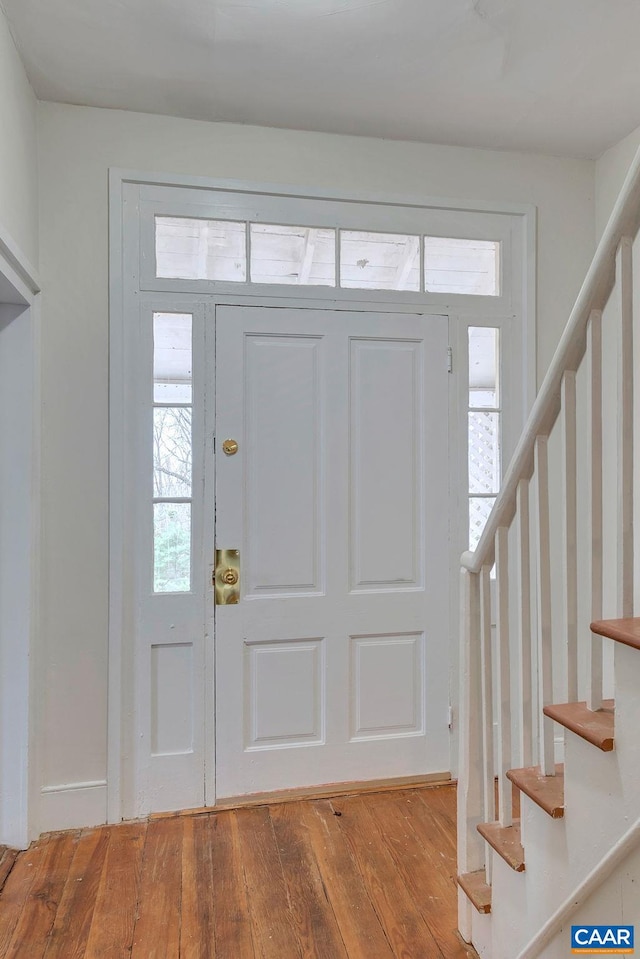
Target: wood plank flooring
[(355, 877), (7, 861)]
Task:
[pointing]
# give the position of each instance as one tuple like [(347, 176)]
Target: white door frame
[(124, 289), (19, 544)]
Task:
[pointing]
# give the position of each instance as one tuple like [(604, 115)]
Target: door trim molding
[(19, 801), (13, 259), (120, 289), (116, 501)]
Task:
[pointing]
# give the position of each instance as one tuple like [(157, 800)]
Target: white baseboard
[(72, 806), (13, 828)]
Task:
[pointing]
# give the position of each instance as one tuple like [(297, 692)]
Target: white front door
[(333, 666)]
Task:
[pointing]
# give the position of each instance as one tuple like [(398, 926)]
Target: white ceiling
[(551, 76)]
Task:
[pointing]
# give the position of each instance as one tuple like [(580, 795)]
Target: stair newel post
[(570, 529), (503, 671), (543, 569), (471, 853), (489, 792), (594, 453), (624, 270), (524, 623)]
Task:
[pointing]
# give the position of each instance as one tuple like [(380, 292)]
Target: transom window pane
[(172, 357), (461, 266), (293, 255), (194, 249), (379, 261)]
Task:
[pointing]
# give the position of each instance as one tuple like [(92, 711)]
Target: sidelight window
[(172, 452), (484, 427)]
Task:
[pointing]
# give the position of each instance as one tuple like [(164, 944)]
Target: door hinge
[(450, 716), (449, 359)]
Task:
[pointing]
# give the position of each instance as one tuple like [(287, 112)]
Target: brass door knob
[(230, 447), (229, 576)]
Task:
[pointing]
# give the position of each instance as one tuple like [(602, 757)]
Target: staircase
[(549, 761)]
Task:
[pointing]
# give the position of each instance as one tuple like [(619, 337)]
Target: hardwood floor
[(355, 877), (7, 861)]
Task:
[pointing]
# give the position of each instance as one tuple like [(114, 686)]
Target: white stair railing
[(496, 733)]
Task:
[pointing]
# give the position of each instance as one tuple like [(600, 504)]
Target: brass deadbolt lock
[(229, 576), (230, 447), (226, 577)]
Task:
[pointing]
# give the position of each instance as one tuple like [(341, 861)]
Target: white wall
[(611, 169), (77, 146), (18, 143)]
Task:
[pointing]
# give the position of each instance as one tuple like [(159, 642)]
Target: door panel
[(386, 436), (284, 693), (334, 664), (388, 690), (283, 417)]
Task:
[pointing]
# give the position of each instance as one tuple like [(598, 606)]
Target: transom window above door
[(195, 248), (224, 241)]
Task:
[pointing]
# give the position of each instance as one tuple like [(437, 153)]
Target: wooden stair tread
[(625, 631), (474, 885), (506, 842), (546, 791), (594, 726)]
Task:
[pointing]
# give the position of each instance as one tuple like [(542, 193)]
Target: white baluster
[(594, 439), (570, 537), (471, 851), (503, 671), (624, 270), (524, 617), (543, 563), (489, 804)]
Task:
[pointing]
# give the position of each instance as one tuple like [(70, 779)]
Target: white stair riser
[(601, 802)]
